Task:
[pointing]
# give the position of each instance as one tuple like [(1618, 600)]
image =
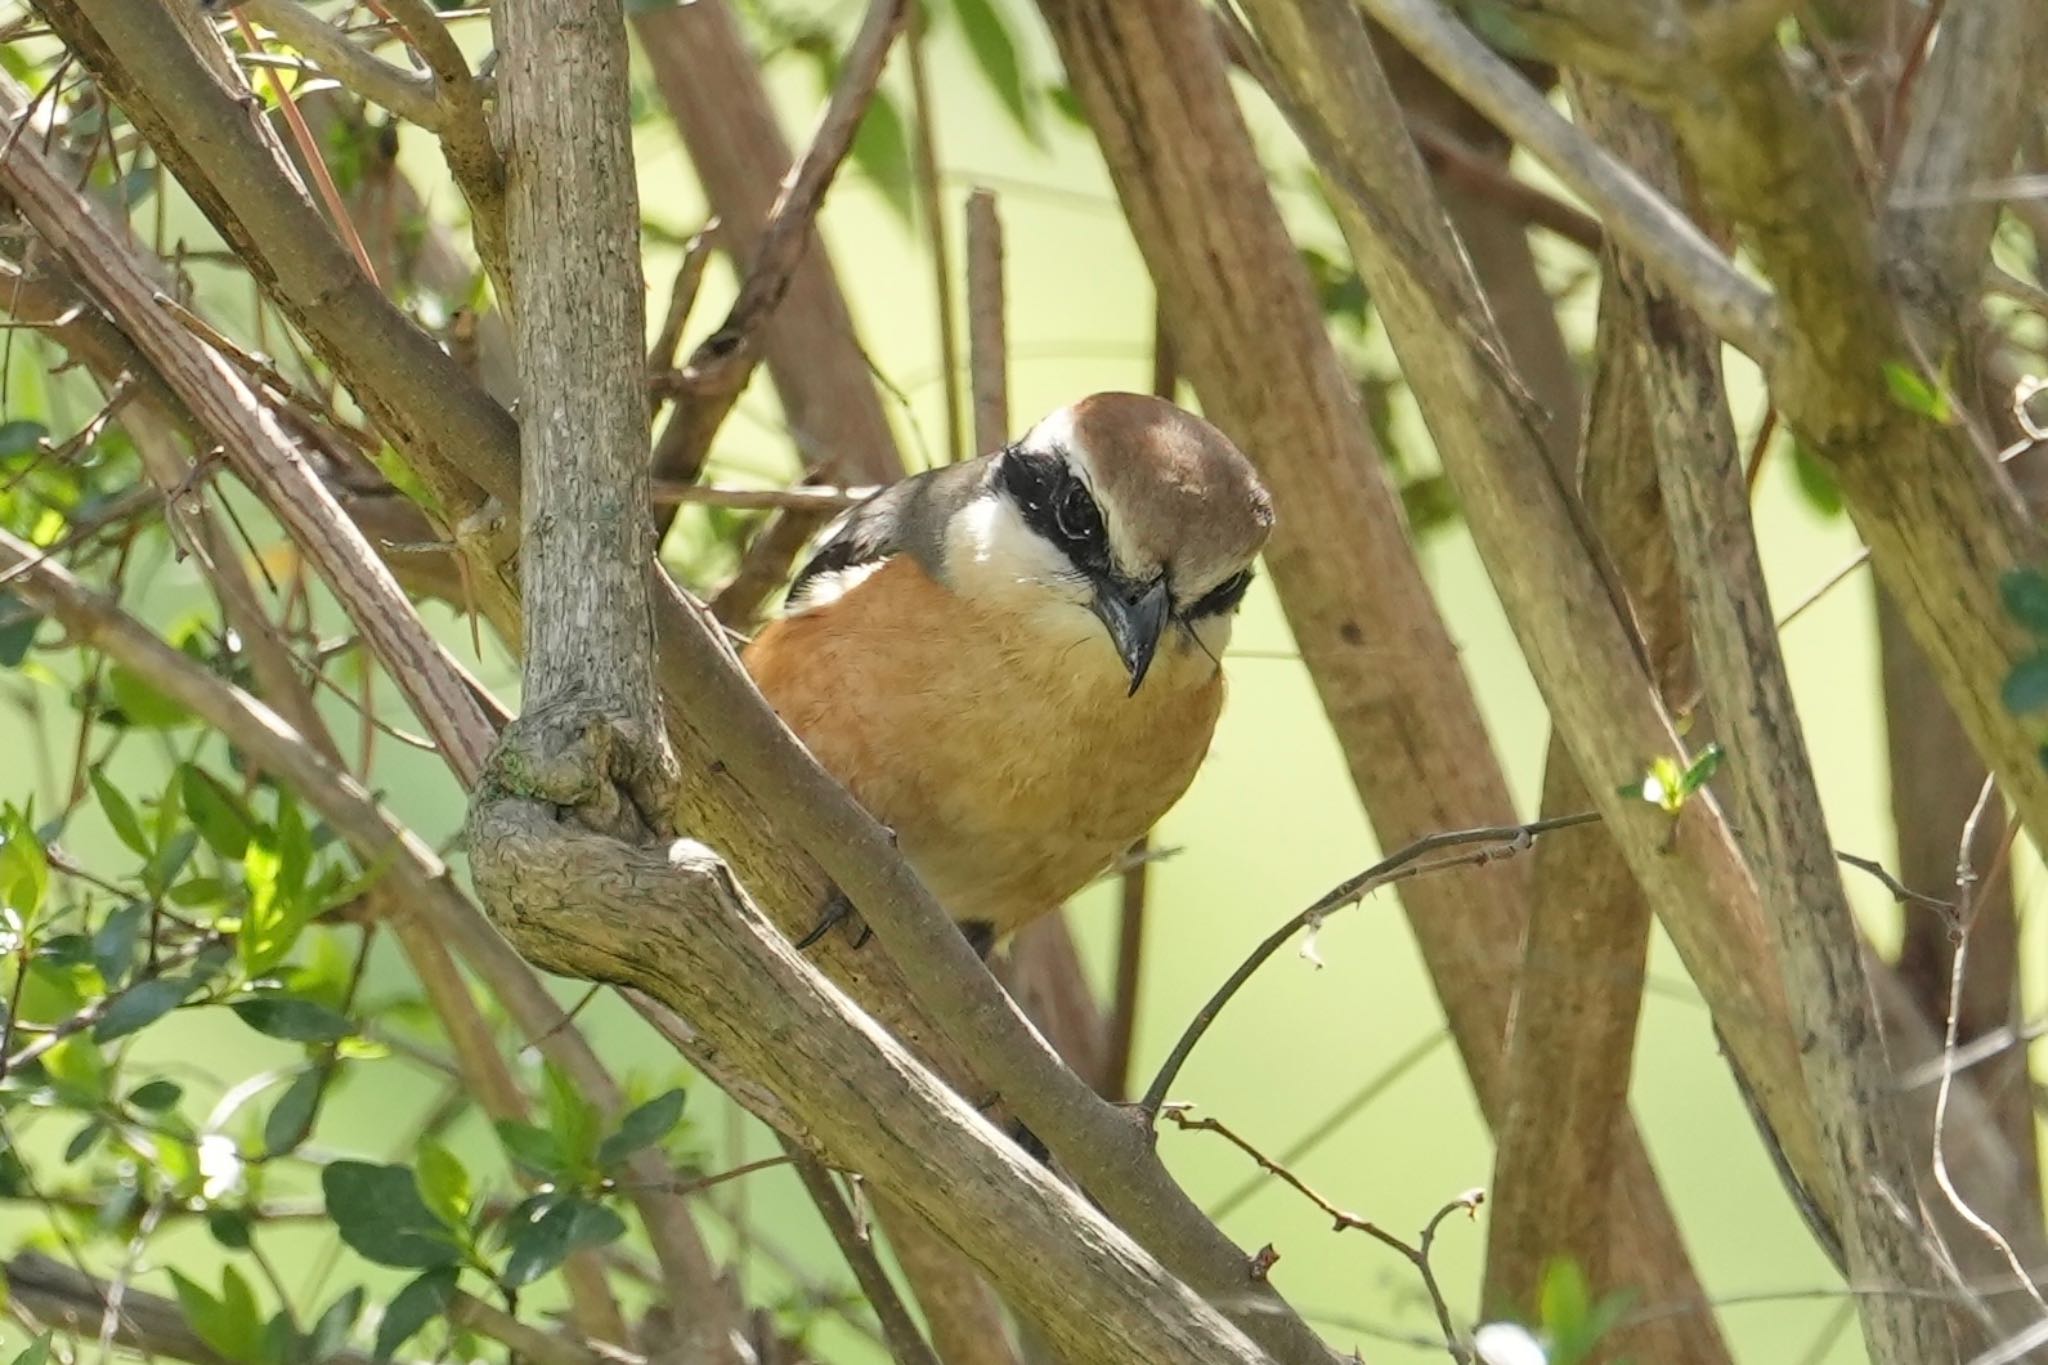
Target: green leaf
[(218, 813), (881, 148), (120, 814), (37, 1351), (995, 52), (139, 1006), (1563, 1300), (141, 704), (18, 625), (330, 1333), (379, 1212), (1916, 393), (1815, 482), (572, 1118), (295, 1021), (114, 943), (532, 1147), (18, 438), (169, 860), (444, 1184), (229, 1324), (24, 867), (419, 1303), (549, 1240), (1701, 771), (83, 1141), (230, 1228), (155, 1096), (643, 1127), (276, 914), (291, 1118), (2026, 687), (2025, 593)]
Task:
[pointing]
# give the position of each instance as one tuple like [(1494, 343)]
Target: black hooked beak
[(1135, 615)]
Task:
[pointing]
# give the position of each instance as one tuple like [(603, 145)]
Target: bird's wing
[(907, 517)]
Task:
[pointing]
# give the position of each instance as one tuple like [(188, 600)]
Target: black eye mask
[(1058, 507)]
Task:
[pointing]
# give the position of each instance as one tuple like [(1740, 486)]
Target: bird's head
[(1125, 507)]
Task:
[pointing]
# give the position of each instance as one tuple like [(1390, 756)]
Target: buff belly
[(1010, 762)]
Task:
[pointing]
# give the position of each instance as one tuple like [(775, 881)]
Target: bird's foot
[(838, 909)]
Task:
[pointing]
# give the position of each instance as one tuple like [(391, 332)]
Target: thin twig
[(1500, 841), (410, 96), (906, 1343), (1966, 882), (1416, 1255), (309, 149), (721, 366)]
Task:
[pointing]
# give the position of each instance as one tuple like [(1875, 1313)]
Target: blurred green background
[(1271, 822)]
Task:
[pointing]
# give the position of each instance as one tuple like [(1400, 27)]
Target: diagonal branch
[(405, 93), (711, 383), (1639, 218)]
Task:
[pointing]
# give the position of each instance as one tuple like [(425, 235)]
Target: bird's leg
[(837, 910)]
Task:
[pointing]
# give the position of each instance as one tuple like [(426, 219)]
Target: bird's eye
[(1075, 513), (1222, 598)]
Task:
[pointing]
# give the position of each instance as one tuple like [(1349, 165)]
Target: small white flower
[(220, 1166), (1506, 1343)]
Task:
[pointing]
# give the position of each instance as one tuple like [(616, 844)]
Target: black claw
[(837, 908), (1029, 1141)]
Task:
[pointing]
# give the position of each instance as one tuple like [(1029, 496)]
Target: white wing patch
[(826, 588)]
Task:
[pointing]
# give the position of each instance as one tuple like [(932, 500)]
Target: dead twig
[(1416, 1253)]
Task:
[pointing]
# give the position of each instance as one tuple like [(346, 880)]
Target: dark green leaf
[(2026, 687), (230, 1228), (532, 1147), (546, 1242), (218, 813), (83, 1141), (1702, 770), (169, 860), (416, 1305), (139, 1006), (643, 1127), (379, 1212), (291, 1118), (330, 1333), (444, 1184), (2025, 592), (114, 942), (297, 1021), (18, 625), (37, 1351), (155, 1096), (18, 438), (995, 52)]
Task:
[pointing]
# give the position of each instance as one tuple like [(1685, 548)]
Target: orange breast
[(1012, 767)]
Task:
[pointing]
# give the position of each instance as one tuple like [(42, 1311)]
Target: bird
[(1014, 663)]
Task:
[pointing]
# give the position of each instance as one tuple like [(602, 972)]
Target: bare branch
[(986, 346), (722, 365), (857, 1246), (405, 93), (1639, 218)]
